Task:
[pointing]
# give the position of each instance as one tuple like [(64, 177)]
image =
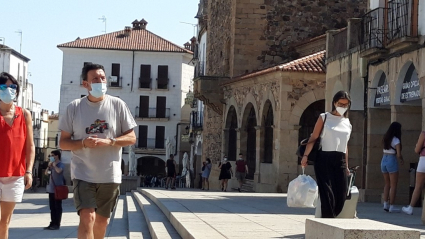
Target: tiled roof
[(137, 40), (311, 63), (314, 63)]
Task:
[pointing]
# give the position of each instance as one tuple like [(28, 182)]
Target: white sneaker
[(408, 210), (386, 206), (393, 209)]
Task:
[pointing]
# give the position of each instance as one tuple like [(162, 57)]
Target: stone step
[(118, 226), (187, 223), (159, 225), (325, 228), (137, 225)]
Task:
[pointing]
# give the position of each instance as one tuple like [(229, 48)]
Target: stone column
[(257, 154), (238, 141)]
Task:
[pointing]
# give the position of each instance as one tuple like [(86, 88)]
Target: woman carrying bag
[(331, 164), (55, 173)]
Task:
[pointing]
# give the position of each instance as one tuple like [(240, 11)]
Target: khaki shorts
[(102, 197), (240, 176)]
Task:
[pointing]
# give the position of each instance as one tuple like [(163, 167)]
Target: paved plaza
[(228, 215)]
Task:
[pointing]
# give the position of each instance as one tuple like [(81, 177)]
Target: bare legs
[(92, 225), (420, 179), (390, 188), (6, 209)]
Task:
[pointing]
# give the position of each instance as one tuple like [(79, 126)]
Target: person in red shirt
[(241, 171), (17, 150)]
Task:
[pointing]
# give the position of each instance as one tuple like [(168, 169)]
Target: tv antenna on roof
[(20, 45), (103, 18), (194, 27)]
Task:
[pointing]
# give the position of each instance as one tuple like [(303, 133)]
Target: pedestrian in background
[(206, 174), (17, 150), (171, 172), (420, 174), (389, 165), (55, 172), (241, 171), (95, 128), (225, 173), (331, 166)]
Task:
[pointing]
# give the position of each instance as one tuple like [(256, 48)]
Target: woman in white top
[(389, 164), (331, 165)]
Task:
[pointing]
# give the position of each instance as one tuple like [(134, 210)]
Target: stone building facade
[(246, 36), (389, 69)]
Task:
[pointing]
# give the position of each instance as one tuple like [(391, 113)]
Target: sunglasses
[(12, 86)]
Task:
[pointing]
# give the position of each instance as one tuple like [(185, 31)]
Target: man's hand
[(54, 164), (50, 165), (103, 142), (90, 142), (28, 180)]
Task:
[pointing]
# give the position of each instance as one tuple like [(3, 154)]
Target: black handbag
[(316, 147)]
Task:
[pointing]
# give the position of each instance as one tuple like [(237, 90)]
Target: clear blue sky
[(45, 24)]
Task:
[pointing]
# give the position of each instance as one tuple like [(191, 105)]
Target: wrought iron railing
[(145, 83), (162, 83), (153, 113), (373, 32), (200, 69), (197, 120), (399, 18), (149, 143)]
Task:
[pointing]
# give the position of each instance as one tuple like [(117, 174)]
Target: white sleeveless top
[(336, 133)]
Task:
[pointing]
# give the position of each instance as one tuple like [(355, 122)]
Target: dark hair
[(171, 155), (4, 77), (341, 95), (393, 131), (88, 67), (209, 160), (57, 153), (241, 154)]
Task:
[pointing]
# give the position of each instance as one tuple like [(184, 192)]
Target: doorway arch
[(151, 165), (249, 139), (231, 134), (308, 120)]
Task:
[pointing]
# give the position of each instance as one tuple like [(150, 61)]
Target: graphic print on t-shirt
[(99, 126)]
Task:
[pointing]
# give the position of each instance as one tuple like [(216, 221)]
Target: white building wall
[(18, 69), (376, 3)]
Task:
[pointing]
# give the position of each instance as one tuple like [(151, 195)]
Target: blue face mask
[(98, 89), (7, 95), (52, 159)]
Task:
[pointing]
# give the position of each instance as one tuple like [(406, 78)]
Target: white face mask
[(52, 159), (341, 110), (7, 95), (98, 89)]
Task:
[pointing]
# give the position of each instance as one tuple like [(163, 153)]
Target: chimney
[(187, 46), (136, 24), (193, 43), (127, 31), (143, 23)]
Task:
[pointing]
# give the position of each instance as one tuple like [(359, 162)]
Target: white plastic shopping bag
[(302, 192)]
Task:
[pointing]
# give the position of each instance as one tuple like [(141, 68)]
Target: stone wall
[(247, 35), (211, 145)]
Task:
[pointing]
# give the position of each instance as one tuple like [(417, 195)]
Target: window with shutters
[(161, 111), (142, 141), (145, 77), (115, 80), (160, 137), (144, 106), (162, 79)]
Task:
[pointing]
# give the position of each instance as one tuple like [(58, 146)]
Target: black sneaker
[(239, 189), (53, 227)]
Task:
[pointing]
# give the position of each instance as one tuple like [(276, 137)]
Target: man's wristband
[(305, 155), (28, 172)]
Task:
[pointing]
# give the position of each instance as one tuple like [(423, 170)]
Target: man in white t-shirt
[(95, 128)]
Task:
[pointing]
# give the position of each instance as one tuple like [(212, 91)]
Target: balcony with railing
[(150, 145), (373, 34), (115, 82), (162, 114), (207, 88), (402, 24), (162, 83), (196, 120), (145, 83)]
